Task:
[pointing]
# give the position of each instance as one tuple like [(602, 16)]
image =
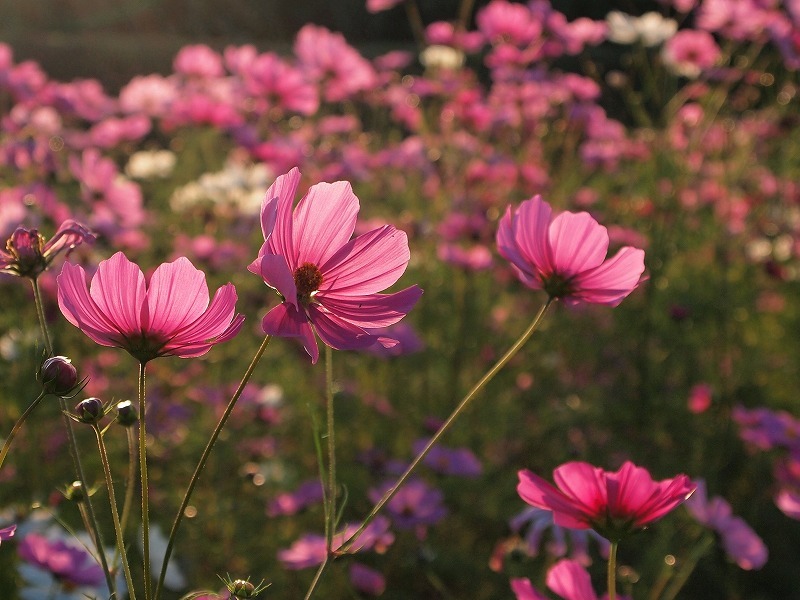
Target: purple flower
[(68, 564), (415, 504), (538, 521), (366, 580), (290, 503), (450, 461)]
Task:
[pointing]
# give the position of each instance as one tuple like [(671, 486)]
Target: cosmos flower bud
[(75, 492), (90, 411), (127, 414), (242, 588), (58, 376)]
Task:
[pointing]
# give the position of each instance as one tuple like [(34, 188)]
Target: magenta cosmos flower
[(169, 317), (327, 281), (613, 504), (566, 255)]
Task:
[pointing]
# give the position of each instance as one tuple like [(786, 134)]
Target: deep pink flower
[(567, 578), (68, 564), (611, 503), (376, 6), (327, 281), (566, 255), (27, 253), (169, 317)]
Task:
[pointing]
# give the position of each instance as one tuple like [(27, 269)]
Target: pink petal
[(199, 348), (523, 590), (539, 493), (373, 311), (530, 227), (282, 241), (577, 243), (80, 310), (216, 321), (571, 581), (276, 274), (118, 290), (613, 280), (286, 321), (338, 333), (367, 264), (176, 296), (269, 215), (584, 485), (507, 246), (324, 221)]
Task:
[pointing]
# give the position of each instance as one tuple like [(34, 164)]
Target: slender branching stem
[(446, 425), (145, 489), (330, 513), (612, 571), (204, 458), (130, 482), (37, 298), (17, 427), (317, 577), (101, 446)]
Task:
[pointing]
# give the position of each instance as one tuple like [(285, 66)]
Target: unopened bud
[(58, 376), (241, 588), (126, 413), (75, 492), (90, 411)]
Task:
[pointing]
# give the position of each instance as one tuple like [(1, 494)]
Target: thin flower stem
[(37, 298), (317, 577), (331, 495), (16, 428), (145, 488), (464, 13), (95, 527), (446, 425), (130, 482), (101, 446), (204, 458), (612, 571), (416, 22)]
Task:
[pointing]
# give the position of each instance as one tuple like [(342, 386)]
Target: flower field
[(511, 315)]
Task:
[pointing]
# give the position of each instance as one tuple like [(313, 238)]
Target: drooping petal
[(577, 243), (282, 239), (276, 274), (324, 221), (338, 333), (612, 281), (118, 290), (367, 264), (216, 321), (177, 295), (530, 226), (80, 310), (69, 235), (192, 350), (372, 311), (286, 321), (571, 581)]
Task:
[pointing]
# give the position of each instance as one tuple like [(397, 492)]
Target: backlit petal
[(286, 321), (118, 290), (80, 310), (372, 311), (324, 221), (177, 295), (577, 243), (338, 333), (613, 280), (282, 240)]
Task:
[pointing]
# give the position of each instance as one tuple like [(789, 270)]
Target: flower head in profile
[(612, 503), (170, 316), (28, 254), (566, 255), (329, 283)]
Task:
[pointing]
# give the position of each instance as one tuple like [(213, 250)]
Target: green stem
[(688, 566), (612, 571), (130, 482), (416, 22), (330, 515), (145, 488), (204, 458), (16, 428), (37, 298), (446, 425), (317, 577), (114, 514)]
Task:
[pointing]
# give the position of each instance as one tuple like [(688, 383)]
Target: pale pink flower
[(327, 281), (566, 255), (198, 60), (169, 317), (690, 52), (612, 503)]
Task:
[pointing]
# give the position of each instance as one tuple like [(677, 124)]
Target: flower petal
[(612, 281), (80, 310), (571, 581), (176, 296), (367, 264), (286, 321), (529, 226), (215, 322), (577, 243), (338, 333), (276, 274), (523, 590), (118, 290), (282, 241), (324, 221), (372, 311), (192, 350), (539, 493)]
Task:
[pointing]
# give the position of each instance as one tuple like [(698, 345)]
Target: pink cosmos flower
[(567, 578), (611, 503), (328, 282), (169, 317), (566, 255), (690, 52)]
